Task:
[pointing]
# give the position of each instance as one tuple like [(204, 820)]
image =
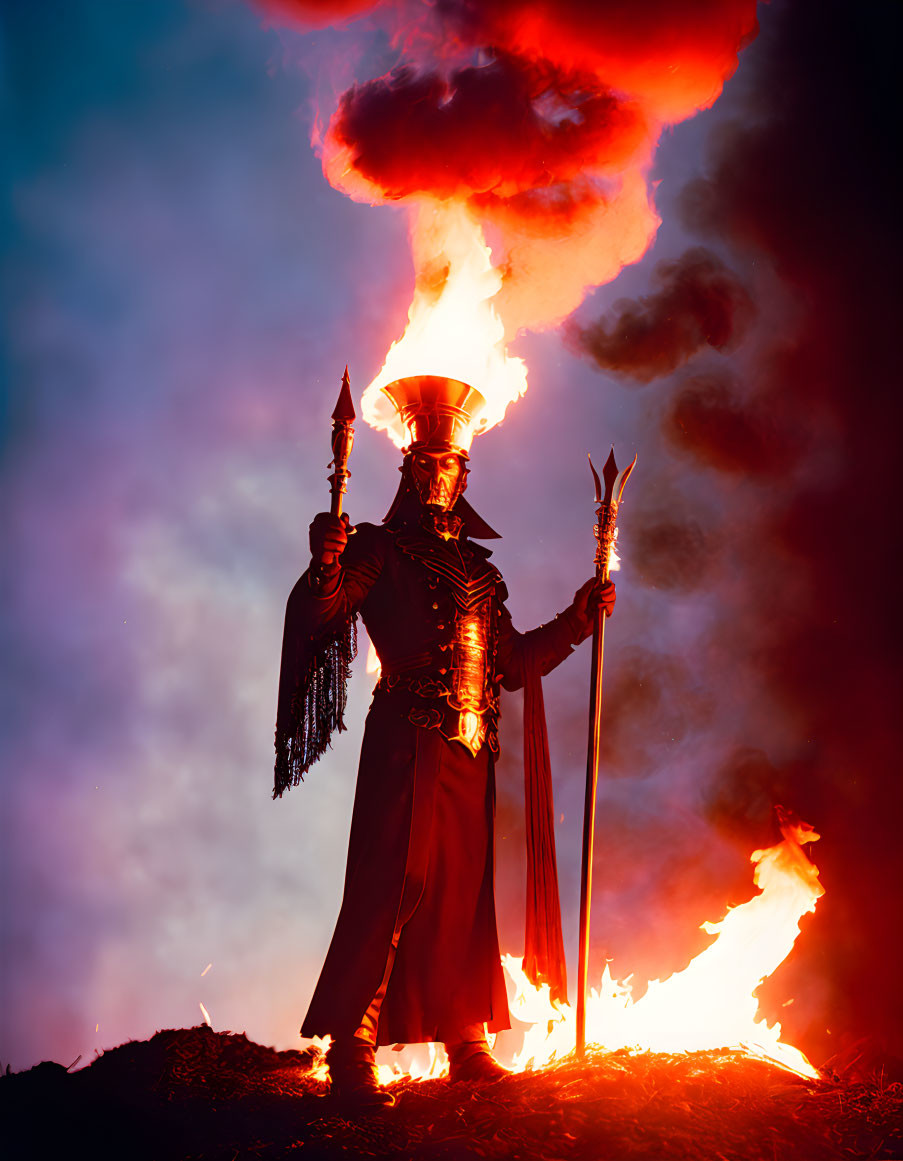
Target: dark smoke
[(652, 702), (743, 796), (697, 302), (668, 551), (800, 189), (707, 421)]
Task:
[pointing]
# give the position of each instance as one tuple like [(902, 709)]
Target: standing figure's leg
[(381, 870), (352, 1059), (469, 1056), (352, 1069)]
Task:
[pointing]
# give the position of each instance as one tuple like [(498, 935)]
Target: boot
[(471, 1062), (352, 1070)]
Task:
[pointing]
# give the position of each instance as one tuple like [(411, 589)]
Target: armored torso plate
[(456, 691)]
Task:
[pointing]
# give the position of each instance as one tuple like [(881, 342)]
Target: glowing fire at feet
[(710, 1004)]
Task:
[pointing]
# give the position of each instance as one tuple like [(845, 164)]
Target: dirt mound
[(213, 1096)]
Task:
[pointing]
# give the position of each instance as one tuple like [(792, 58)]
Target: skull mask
[(439, 477)]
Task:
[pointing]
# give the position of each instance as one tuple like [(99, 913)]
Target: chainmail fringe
[(317, 709)]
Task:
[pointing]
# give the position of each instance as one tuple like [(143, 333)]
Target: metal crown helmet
[(441, 416)]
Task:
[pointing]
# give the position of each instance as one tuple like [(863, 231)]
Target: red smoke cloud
[(707, 421), (314, 13), (698, 302), (542, 119), (672, 55), (504, 127)]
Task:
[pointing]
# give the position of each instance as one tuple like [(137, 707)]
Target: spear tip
[(614, 480), (344, 409), (596, 479), (610, 472)]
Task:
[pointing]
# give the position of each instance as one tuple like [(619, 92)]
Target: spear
[(604, 531), (342, 442)]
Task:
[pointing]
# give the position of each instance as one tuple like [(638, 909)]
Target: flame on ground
[(711, 1004), (411, 1062), (453, 327), (428, 1064)]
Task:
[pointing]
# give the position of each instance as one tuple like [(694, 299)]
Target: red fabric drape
[(544, 960)]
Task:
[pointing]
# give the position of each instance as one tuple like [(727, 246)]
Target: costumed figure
[(415, 954)]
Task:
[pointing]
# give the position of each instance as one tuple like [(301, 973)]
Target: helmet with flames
[(439, 414), (440, 417)]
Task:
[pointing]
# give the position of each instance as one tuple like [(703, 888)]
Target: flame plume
[(453, 327), (710, 1004), (538, 123)]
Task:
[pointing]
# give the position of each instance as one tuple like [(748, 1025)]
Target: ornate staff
[(314, 676), (342, 442), (604, 530)]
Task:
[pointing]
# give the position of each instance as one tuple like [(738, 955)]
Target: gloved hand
[(328, 537), (587, 599)]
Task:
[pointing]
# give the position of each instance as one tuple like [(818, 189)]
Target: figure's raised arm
[(345, 564), (319, 642), (548, 645)]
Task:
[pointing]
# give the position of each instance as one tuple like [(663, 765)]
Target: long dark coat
[(421, 850)]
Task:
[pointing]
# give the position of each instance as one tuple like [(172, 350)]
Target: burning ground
[(199, 1094), (214, 1096)]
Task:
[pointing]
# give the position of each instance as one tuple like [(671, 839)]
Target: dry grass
[(213, 1096)]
